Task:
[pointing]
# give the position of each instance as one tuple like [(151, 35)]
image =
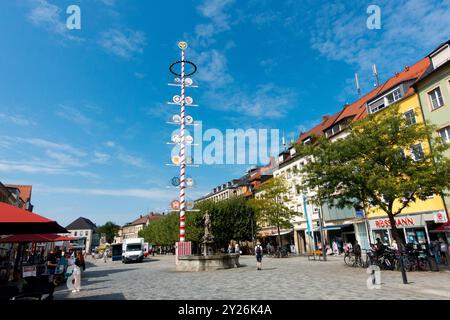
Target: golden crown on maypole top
[(182, 45)]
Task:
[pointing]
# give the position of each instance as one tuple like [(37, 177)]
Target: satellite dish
[(189, 160), (189, 119), (189, 139), (188, 81), (178, 80), (176, 99)]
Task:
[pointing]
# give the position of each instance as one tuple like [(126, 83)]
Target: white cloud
[(65, 158), (39, 167), (340, 33), (74, 115), (123, 44), (110, 144), (46, 144), (131, 160), (101, 157), (214, 71), (16, 119), (150, 194), (265, 101), (11, 166)]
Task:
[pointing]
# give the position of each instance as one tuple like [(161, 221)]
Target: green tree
[(231, 219), (378, 165), (166, 231), (269, 205), (110, 229)]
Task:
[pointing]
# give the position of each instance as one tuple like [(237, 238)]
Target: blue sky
[(83, 113)]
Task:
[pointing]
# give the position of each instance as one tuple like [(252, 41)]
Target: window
[(394, 96), (436, 98), (417, 152), (445, 134), (307, 141), (75, 233), (410, 116)]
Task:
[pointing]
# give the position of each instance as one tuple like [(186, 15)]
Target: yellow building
[(415, 221)]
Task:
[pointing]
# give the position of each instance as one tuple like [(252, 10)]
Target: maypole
[(183, 247)]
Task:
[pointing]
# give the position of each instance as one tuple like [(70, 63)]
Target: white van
[(133, 250)]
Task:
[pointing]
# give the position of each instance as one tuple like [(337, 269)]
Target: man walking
[(259, 254)]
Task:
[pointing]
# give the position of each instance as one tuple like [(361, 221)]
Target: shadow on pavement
[(104, 273), (111, 296)]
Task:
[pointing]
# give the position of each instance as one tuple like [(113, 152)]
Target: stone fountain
[(209, 260)]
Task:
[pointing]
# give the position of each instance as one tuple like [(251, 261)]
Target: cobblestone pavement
[(293, 278)]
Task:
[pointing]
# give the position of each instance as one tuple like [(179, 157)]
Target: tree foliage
[(375, 165), (110, 229), (269, 205), (231, 219)]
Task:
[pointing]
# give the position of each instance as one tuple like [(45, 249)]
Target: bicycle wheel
[(349, 260)]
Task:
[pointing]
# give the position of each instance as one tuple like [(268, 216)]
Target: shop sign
[(29, 271), (399, 222), (440, 217)]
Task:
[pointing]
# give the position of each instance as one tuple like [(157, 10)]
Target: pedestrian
[(444, 251), (335, 248), (357, 252), (79, 262), (269, 248), (237, 250), (105, 255), (259, 255), (52, 263), (230, 248)]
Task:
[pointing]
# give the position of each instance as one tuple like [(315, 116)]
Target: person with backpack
[(259, 255)]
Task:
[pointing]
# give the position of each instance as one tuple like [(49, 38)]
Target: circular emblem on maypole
[(175, 181), (175, 204), (182, 45)]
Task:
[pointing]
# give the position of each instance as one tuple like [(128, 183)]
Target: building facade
[(84, 231), (131, 230), (434, 95)]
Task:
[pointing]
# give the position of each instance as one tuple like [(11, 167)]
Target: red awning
[(14, 220), (444, 227), (35, 238)]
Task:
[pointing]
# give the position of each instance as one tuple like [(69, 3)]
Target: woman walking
[(79, 263)]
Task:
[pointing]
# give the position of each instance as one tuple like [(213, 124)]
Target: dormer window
[(394, 96), (292, 151), (307, 141), (386, 100)]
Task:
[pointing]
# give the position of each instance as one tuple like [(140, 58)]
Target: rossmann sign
[(399, 222)]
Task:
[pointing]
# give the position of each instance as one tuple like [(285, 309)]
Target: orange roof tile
[(357, 110)]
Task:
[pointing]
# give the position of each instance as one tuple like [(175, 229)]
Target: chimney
[(407, 68), (325, 118), (141, 216), (153, 214)]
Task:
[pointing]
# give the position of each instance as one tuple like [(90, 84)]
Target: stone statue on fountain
[(208, 238)]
